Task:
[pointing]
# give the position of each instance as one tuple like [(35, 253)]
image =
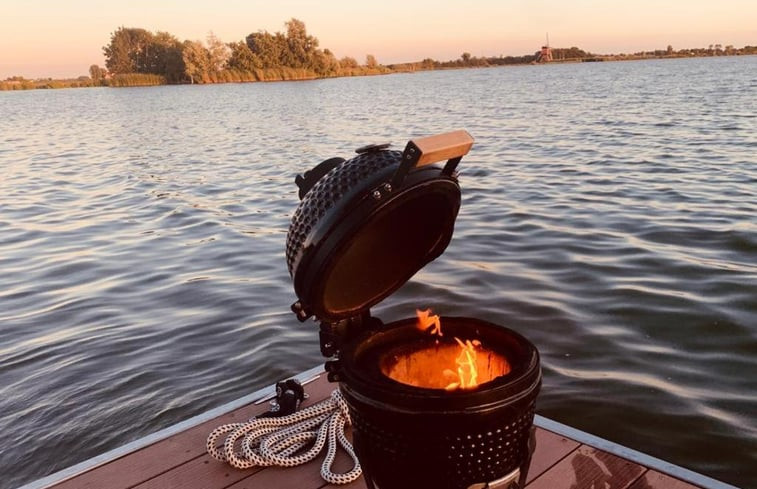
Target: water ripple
[(608, 214)]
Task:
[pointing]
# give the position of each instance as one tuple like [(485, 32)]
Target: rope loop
[(290, 440)]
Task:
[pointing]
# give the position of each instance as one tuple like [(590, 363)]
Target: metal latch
[(289, 395), (510, 481)]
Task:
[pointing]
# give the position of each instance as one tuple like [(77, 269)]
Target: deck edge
[(109, 456), (635, 456), (548, 424)]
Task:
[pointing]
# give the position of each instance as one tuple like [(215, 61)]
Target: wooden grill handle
[(440, 147), (450, 146)]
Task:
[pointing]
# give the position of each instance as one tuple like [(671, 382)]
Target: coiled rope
[(275, 441)]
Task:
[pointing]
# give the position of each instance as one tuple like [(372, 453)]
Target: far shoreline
[(19, 83)]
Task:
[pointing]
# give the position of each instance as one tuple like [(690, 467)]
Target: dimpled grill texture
[(448, 457), (336, 184)]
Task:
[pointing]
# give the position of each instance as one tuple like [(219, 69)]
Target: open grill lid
[(365, 226)]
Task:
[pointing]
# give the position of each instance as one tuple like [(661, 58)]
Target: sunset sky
[(54, 38)]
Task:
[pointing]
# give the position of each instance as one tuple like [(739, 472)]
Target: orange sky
[(63, 38)]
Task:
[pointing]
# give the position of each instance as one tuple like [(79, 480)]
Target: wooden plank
[(631, 455), (199, 473), (587, 467), (550, 449), (307, 476), (656, 480), (163, 456)]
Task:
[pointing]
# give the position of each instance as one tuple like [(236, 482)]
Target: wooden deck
[(178, 460)]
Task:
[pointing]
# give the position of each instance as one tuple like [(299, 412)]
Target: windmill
[(545, 55)]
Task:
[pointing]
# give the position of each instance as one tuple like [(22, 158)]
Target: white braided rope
[(275, 441)]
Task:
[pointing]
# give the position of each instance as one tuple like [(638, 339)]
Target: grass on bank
[(225, 76)]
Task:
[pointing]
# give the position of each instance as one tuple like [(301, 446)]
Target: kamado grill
[(442, 403)]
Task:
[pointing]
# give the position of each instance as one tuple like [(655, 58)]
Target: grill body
[(363, 228), (410, 437)]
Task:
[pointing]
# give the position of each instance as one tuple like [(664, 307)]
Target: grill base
[(407, 450), (412, 437)]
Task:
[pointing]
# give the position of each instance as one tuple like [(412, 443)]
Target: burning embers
[(441, 362)]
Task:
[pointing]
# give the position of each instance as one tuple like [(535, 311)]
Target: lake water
[(609, 214)]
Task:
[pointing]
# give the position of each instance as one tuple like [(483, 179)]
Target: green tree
[(302, 47), (428, 64), (569, 53), (128, 51), (268, 48), (348, 62), (166, 57), (325, 63), (218, 52), (197, 63), (293, 49), (96, 73), (242, 58), (134, 50), (118, 53)]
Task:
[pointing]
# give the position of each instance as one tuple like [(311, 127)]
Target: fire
[(447, 366), (426, 320), (467, 371)]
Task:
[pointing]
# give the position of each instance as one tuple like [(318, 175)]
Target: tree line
[(133, 54), (137, 57), (571, 54), (466, 60)]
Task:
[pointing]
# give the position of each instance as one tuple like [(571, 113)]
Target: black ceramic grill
[(363, 228), (319, 197)]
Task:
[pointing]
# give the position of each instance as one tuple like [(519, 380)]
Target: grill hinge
[(333, 370)]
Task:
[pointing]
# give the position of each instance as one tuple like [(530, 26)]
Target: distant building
[(545, 55)]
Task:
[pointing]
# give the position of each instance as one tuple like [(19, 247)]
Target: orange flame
[(467, 372), (426, 320), (466, 376)]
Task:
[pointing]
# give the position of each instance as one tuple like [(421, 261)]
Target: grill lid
[(365, 226)]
